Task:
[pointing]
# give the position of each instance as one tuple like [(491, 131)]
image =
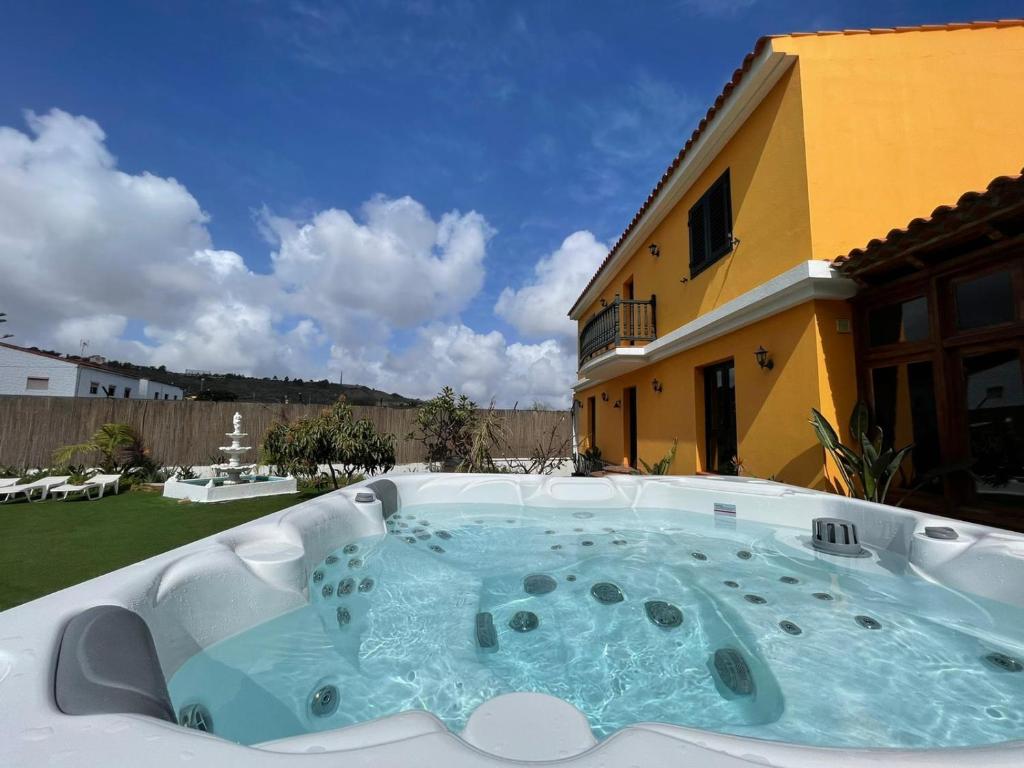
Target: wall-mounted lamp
[(734, 240), (654, 249), (763, 360), (577, 403), (656, 385), (604, 303), (604, 396), (618, 404), (684, 280)]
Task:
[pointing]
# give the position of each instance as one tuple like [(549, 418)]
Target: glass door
[(629, 413), (720, 418), (993, 391)]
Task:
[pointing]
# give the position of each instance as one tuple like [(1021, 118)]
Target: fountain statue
[(234, 469), (233, 480)]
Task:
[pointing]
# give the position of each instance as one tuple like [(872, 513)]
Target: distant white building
[(31, 372)]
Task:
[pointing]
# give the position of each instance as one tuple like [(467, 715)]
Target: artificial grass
[(49, 545)]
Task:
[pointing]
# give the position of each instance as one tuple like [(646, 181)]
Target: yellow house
[(718, 319)]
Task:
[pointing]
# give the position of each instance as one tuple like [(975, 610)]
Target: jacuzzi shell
[(199, 594)]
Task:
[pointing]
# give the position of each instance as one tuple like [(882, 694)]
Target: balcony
[(623, 322)]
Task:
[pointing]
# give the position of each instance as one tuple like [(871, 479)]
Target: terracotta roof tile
[(1000, 192), (730, 86)]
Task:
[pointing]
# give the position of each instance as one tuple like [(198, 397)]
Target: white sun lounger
[(92, 489), (8, 481), (38, 488)]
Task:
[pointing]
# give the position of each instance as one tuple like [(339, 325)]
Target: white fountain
[(233, 480), (233, 470)]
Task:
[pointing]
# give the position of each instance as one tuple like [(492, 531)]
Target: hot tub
[(479, 620)]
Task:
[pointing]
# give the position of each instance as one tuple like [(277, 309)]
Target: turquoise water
[(794, 665)]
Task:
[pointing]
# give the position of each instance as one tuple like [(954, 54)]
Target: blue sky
[(544, 118)]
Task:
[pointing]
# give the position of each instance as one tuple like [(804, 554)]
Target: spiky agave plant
[(869, 468), (662, 466)]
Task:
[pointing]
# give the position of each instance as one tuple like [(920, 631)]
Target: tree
[(445, 424), (332, 438), (460, 437)]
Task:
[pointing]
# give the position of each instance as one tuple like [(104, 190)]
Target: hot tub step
[(486, 636)]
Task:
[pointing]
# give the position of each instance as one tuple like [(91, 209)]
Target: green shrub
[(445, 425), (333, 438)]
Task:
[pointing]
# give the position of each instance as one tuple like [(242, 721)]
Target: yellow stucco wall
[(898, 124), (862, 134), (770, 217), (772, 407)]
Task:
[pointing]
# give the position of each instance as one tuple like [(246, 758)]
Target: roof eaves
[(727, 90), (966, 207), (730, 87)]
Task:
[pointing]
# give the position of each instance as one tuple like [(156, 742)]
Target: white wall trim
[(766, 70), (807, 281)]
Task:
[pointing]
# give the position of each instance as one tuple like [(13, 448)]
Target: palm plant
[(119, 446), (869, 468)]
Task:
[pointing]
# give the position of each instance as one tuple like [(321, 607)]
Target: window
[(156, 395), (994, 390), (902, 321), (175, 397), (36, 382), (984, 301), (904, 397), (711, 226), (167, 397), (958, 395), (127, 392), (94, 387)]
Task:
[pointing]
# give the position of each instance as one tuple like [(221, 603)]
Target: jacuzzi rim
[(785, 753)]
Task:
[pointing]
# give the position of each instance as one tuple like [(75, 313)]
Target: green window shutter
[(710, 224), (719, 218)]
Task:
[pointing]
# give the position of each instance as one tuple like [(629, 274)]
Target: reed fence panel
[(190, 432)]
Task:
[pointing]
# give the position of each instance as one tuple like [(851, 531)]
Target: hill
[(233, 386)]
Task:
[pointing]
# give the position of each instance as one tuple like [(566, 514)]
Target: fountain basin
[(215, 489)]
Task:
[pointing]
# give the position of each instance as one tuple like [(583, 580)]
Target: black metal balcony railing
[(624, 320)]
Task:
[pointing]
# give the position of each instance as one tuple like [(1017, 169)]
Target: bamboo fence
[(189, 432)]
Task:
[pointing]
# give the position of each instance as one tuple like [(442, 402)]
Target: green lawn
[(50, 545)]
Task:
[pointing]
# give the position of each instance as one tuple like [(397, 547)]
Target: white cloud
[(221, 263), (538, 309), (482, 365), (90, 252), (76, 233), (399, 264), (70, 332)]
